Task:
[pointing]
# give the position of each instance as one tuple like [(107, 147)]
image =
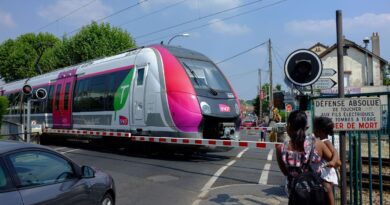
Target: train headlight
[(237, 108), (205, 107)]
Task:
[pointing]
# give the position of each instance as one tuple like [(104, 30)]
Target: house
[(364, 70)]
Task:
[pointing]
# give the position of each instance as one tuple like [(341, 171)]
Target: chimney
[(375, 44)]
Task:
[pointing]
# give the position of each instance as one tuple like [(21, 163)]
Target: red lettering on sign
[(339, 125), (365, 125)]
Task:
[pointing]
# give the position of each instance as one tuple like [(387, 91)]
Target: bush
[(3, 107)]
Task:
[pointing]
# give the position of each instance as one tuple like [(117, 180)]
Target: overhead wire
[(152, 13), (113, 14), (66, 15), (197, 19), (213, 22), (241, 53)]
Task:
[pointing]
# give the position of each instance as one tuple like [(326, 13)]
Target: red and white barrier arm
[(87, 132), (205, 142), (256, 128)]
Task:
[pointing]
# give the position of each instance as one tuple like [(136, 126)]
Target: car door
[(139, 95), (62, 99), (8, 192), (48, 178)]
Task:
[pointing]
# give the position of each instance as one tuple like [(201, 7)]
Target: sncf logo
[(224, 108), (123, 120)]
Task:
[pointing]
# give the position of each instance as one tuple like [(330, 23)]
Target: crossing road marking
[(267, 166), (209, 184)]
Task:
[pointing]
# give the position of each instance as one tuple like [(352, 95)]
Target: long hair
[(297, 123)]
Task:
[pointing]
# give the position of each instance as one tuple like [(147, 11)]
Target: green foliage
[(264, 103), (93, 41), (3, 107), (18, 57)]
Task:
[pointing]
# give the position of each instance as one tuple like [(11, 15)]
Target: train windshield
[(205, 75)]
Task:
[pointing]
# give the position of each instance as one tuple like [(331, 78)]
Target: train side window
[(140, 76), (50, 99), (58, 91), (66, 97)]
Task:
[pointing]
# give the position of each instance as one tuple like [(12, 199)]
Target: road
[(227, 177)]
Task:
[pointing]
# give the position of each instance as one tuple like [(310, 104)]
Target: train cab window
[(205, 75), (140, 76), (66, 97), (57, 102)]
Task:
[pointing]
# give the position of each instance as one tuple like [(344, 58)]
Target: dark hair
[(324, 124), (297, 122)]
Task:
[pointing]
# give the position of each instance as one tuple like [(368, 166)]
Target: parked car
[(249, 123), (34, 174)]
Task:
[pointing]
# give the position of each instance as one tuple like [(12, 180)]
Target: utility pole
[(271, 96), (340, 72), (260, 89)]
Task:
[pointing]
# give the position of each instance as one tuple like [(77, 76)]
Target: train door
[(62, 100), (139, 95)]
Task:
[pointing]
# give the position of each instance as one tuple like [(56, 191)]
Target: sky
[(220, 29)]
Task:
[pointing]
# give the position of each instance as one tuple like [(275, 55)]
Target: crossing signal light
[(27, 89), (41, 93), (303, 67)]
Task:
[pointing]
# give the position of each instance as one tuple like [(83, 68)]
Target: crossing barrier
[(168, 140)]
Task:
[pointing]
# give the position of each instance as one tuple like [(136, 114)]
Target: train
[(156, 90)]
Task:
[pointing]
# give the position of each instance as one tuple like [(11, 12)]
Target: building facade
[(364, 70)]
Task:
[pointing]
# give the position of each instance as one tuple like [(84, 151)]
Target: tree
[(3, 107), (93, 41), (19, 57)]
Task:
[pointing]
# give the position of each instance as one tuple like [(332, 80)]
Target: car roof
[(8, 145)]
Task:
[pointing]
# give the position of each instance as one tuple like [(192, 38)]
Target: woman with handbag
[(300, 156)]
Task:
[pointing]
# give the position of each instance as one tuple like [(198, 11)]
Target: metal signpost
[(328, 72), (324, 83)]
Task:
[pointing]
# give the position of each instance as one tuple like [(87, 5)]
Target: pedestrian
[(301, 154), (322, 128)]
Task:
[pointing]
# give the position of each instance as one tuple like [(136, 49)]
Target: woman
[(292, 154)]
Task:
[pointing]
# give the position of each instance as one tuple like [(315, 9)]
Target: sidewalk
[(245, 194)]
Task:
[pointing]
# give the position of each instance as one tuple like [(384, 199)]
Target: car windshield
[(205, 75)]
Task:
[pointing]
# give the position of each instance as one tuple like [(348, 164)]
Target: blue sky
[(290, 24)]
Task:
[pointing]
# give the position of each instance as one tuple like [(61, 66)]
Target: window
[(40, 168), (66, 97), (346, 80), (5, 183), (140, 76), (205, 75), (58, 91), (97, 93), (50, 99)]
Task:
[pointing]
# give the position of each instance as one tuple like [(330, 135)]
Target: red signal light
[(27, 89)]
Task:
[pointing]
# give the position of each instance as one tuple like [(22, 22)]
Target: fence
[(368, 158)]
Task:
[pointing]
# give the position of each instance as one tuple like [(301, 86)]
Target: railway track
[(375, 161), (365, 177)]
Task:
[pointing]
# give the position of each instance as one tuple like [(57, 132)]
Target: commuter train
[(158, 90)]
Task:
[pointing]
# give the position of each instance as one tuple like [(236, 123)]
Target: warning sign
[(350, 113)]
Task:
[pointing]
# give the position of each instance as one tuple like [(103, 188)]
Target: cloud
[(367, 21), (6, 20), (220, 26), (94, 11)]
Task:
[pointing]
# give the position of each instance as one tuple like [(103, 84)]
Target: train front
[(200, 97)]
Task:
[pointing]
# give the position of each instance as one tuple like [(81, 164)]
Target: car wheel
[(107, 200)]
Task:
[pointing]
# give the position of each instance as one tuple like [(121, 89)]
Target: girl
[(323, 127)]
